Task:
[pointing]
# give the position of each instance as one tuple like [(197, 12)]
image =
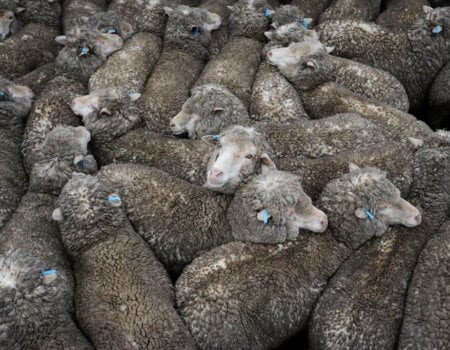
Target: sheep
[(231, 298), (130, 67), (148, 16), (401, 14), (236, 65), (351, 9), (425, 322), (30, 314), (38, 79), (331, 98), (370, 287), (273, 97), (51, 109), (115, 270), (75, 9), (413, 57), (40, 11), (307, 71), (9, 22), (438, 99), (15, 104), (311, 8), (31, 47), (210, 109), (272, 208), (180, 63)]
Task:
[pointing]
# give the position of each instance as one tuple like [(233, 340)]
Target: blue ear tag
[(2, 94), (265, 217), (216, 137), (83, 161), (305, 23), (114, 199), (369, 214), (48, 272), (437, 29), (84, 51), (112, 31), (267, 12), (196, 31)]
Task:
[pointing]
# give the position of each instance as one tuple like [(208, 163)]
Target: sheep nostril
[(418, 218), (172, 125)]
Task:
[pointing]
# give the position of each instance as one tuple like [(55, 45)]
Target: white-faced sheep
[(184, 54), (401, 14), (331, 98), (273, 97), (210, 109), (414, 57), (370, 288), (130, 67), (15, 104), (31, 313), (426, 318), (9, 22), (352, 9), (231, 297), (236, 65), (124, 297), (31, 47), (309, 70), (272, 208)]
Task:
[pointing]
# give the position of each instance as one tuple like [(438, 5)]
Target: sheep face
[(363, 203), (108, 113), (209, 109), (15, 101), (287, 58), (7, 18), (287, 14), (239, 153), (273, 207), (85, 51), (64, 151), (108, 23), (191, 25), (88, 212), (437, 20), (250, 18)]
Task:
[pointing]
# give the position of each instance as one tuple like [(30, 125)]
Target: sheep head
[(239, 153), (272, 208), (108, 113), (363, 203)]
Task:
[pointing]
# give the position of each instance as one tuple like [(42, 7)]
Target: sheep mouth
[(181, 134)]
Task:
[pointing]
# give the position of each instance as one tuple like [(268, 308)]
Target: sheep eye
[(249, 156), (217, 155), (10, 17), (195, 30)]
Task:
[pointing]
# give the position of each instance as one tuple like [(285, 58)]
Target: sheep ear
[(20, 9), (427, 9), (359, 212), (47, 279), (311, 64), (78, 159), (61, 39), (57, 215), (84, 19), (329, 49), (134, 96), (168, 10), (353, 167), (268, 35), (266, 161), (417, 143), (211, 139), (233, 8)]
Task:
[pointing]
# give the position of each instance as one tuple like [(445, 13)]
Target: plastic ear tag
[(369, 214), (305, 23), (267, 12), (114, 199), (112, 31), (437, 29), (216, 137)]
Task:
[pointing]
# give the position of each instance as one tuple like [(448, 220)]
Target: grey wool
[(331, 98), (38, 79), (278, 195), (180, 221), (352, 9), (184, 55), (210, 109), (236, 65), (32, 315), (130, 67), (401, 14), (52, 108), (123, 295), (15, 104), (75, 9), (438, 98), (311, 8), (371, 286), (286, 14), (323, 137), (310, 71), (414, 57), (31, 47), (225, 308), (41, 11), (425, 321)]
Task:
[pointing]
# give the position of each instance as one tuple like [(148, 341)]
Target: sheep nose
[(418, 218), (270, 53), (216, 173)]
